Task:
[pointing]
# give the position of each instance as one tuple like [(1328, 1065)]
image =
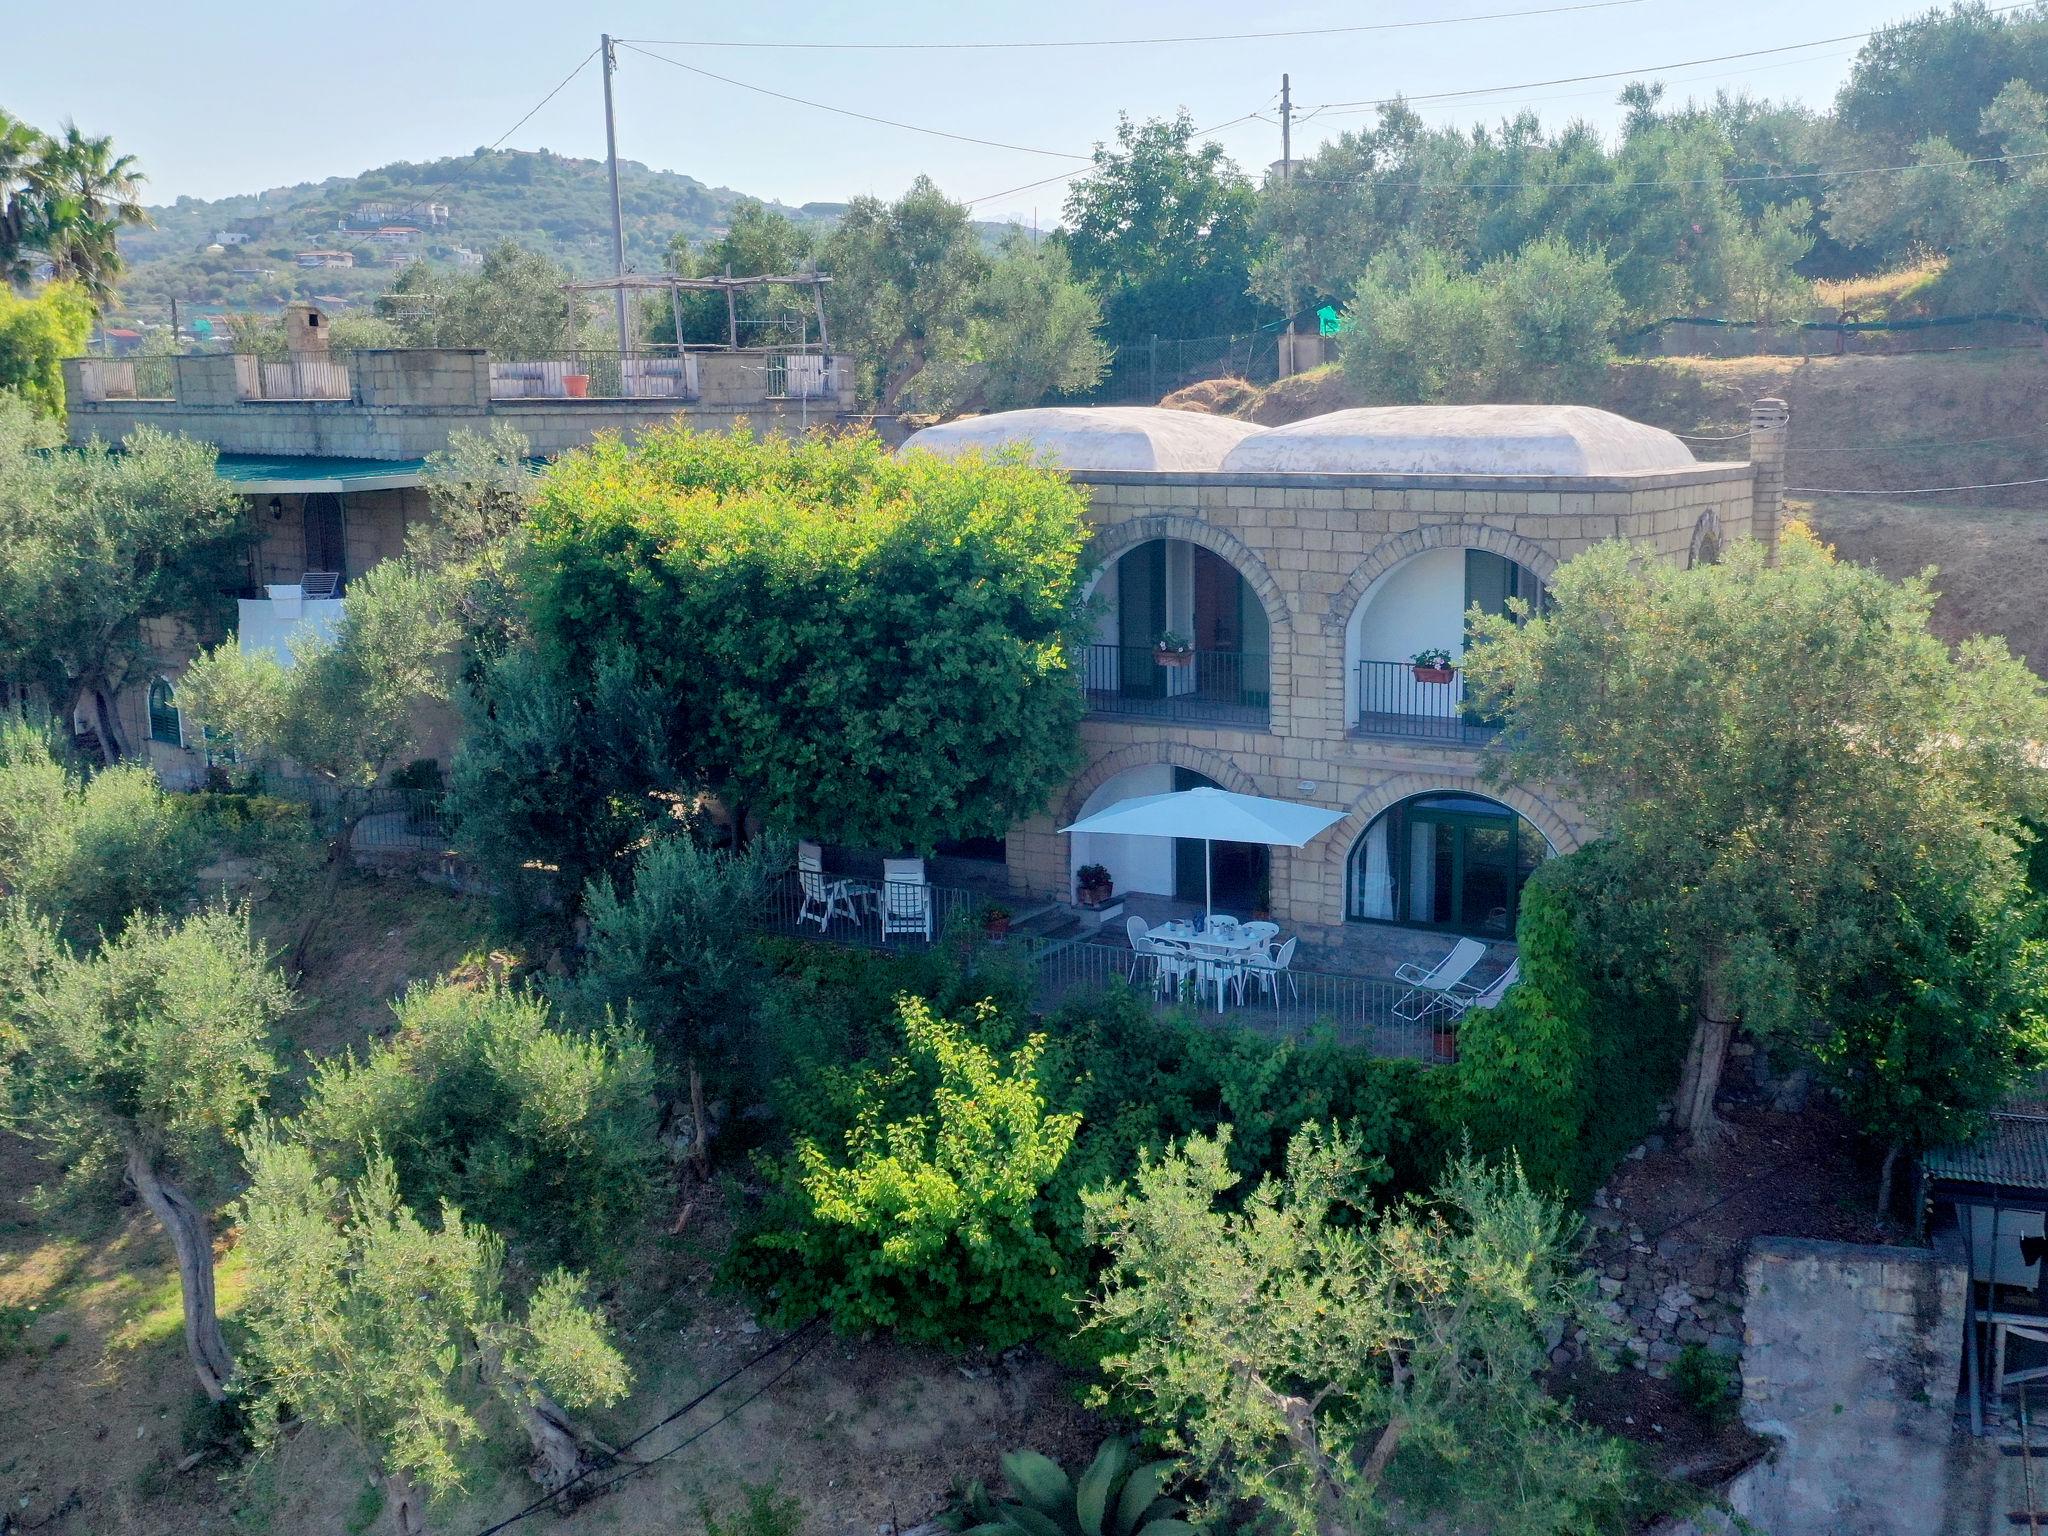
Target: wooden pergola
[(730, 286)]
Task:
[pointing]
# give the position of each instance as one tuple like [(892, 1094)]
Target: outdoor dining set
[(1189, 958)]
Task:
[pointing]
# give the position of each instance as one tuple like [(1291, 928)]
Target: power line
[(1047, 181), (660, 1424), (866, 117), (1610, 74), (1919, 490), (442, 186), (1126, 42)]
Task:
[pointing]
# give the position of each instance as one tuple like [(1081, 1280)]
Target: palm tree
[(24, 153), (88, 194)]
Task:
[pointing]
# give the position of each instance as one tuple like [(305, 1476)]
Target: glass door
[(1140, 619)]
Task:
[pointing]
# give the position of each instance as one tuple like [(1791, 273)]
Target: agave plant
[(1114, 1497)]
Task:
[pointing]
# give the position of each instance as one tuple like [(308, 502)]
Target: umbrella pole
[(1208, 883)]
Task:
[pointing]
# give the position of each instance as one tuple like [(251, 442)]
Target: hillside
[(553, 203), (1859, 425)]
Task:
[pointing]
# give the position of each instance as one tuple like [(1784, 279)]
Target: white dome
[(1562, 440), (1141, 437)]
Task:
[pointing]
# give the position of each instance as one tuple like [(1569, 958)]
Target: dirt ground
[(99, 1393)]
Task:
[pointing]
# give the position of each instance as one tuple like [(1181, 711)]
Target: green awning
[(2011, 1154), (256, 474)]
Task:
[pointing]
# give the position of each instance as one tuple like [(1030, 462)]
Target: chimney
[(1769, 421), (305, 330)]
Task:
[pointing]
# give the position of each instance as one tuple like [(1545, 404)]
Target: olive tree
[(864, 647), (146, 1059), (1348, 1369), (96, 543), (364, 1318), (346, 709), (1783, 756)]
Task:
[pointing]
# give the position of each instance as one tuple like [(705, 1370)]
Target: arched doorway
[(1240, 874), (1447, 860), (1180, 633)]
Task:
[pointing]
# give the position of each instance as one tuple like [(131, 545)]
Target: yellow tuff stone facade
[(1310, 547)]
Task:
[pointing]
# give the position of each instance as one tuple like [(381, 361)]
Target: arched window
[(1706, 541), (165, 724), (1450, 860)]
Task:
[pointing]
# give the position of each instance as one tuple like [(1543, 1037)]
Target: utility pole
[(174, 325), (1286, 131), (611, 156)]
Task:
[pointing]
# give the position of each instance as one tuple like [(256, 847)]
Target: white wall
[(1417, 605), (1135, 863), (273, 626)]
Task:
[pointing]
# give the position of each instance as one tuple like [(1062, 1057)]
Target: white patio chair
[(1171, 965), (906, 898), (1430, 990), (1135, 929), (824, 899), (1267, 969)]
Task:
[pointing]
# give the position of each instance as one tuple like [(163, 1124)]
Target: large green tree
[(853, 645), (97, 543), (144, 1060), (347, 709), (513, 305), (1347, 1369), (1163, 231), (1782, 755), (36, 335), (759, 241)]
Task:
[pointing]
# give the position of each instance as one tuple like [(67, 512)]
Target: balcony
[(276, 622), (1205, 687), (1394, 702)]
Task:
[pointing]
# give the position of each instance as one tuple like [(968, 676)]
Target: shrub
[(482, 1100), (1114, 1496), (1707, 1382), (934, 1222)]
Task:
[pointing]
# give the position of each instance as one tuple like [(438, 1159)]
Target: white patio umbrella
[(1215, 816)]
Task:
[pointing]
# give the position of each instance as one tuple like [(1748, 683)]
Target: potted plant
[(1094, 885), (1444, 1037), (1432, 665), (577, 384), (995, 920), (1174, 650)]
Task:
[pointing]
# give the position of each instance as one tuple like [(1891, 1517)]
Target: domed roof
[(1097, 436), (1566, 440)]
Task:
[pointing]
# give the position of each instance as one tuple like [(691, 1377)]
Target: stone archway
[(1706, 541), (1211, 765), (1387, 554), (1550, 820)]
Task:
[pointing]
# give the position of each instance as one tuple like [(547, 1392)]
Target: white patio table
[(1221, 952)]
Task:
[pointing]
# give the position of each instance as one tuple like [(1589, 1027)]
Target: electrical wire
[(688, 1440), (1083, 170), (1919, 490), (1126, 42), (866, 117), (442, 186), (1368, 105)]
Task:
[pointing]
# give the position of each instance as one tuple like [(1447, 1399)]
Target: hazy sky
[(237, 95)]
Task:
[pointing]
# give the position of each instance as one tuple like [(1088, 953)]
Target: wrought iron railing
[(871, 913), (155, 378), (1223, 687), (1397, 698)]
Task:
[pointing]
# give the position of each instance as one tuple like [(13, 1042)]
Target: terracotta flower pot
[(998, 927), (1096, 895), (1174, 658), (1435, 674), (577, 384)]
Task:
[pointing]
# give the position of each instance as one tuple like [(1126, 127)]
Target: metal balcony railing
[(1216, 687), (595, 374), (1394, 701)]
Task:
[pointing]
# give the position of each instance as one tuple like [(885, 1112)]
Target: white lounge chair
[(1430, 991), (824, 899), (1464, 996), (906, 898)]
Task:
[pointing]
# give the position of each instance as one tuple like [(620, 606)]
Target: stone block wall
[(441, 376), (1664, 1292), (1849, 1362), (1310, 547)]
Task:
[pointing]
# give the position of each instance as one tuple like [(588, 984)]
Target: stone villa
[(1306, 567)]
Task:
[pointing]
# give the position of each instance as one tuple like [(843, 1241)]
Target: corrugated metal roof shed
[(2012, 1153)]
